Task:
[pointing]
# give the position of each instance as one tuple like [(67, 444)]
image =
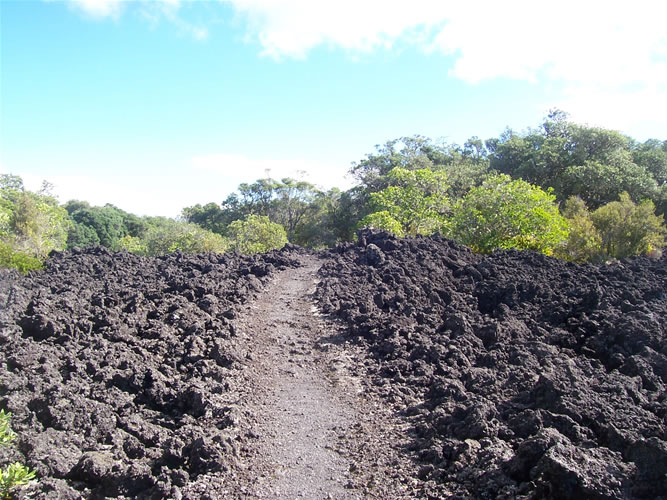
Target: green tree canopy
[(165, 235), (627, 228), (584, 242), (256, 234), (415, 202), (210, 216), (31, 223), (593, 163), (297, 205), (503, 213), (107, 222)]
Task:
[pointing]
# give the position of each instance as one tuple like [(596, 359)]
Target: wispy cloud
[(605, 50), (153, 11), (98, 8), (598, 52)]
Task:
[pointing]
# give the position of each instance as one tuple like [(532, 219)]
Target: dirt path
[(314, 432)]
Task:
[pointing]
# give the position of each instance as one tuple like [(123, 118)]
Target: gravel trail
[(313, 434)]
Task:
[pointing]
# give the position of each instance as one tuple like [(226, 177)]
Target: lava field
[(524, 376), (521, 376)]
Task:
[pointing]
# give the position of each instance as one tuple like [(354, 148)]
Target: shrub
[(16, 474), (256, 234), (503, 213), (13, 476), (416, 202), (9, 257), (615, 230), (6, 433)]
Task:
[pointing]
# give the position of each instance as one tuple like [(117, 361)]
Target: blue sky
[(153, 106)]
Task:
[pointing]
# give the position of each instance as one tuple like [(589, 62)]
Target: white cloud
[(152, 10), (99, 8), (637, 112), (594, 49), (292, 28), (602, 53)]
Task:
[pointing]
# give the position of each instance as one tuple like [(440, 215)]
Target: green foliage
[(385, 221), (615, 230), (584, 241), (15, 474), (6, 433), (598, 183), (321, 225), (627, 228), (407, 153), (134, 244), (107, 222), (209, 216), (297, 205), (505, 213), (73, 205), (466, 167), (104, 226), (416, 202), (166, 235), (652, 155), (344, 212), (82, 236), (595, 164), (11, 258), (31, 224), (256, 234)]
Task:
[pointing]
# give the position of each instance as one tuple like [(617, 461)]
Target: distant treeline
[(565, 189)]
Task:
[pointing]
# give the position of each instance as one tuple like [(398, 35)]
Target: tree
[(165, 236), (652, 155), (107, 222), (82, 236), (73, 205), (416, 202), (615, 230), (326, 212), (295, 204), (627, 228), (599, 183), (256, 234), (383, 220), (31, 223), (584, 242), (593, 163), (503, 213), (210, 216), (345, 212), (408, 153)]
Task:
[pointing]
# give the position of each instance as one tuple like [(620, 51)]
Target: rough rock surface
[(512, 375), (523, 376), (117, 369)]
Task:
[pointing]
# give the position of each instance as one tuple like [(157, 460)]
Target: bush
[(616, 230), (503, 213), (584, 242), (16, 474), (383, 220), (629, 229), (18, 260), (13, 476), (416, 202), (256, 234)]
